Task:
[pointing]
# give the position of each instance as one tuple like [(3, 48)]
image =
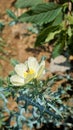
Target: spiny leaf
[(55, 109)]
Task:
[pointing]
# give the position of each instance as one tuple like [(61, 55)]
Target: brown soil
[(19, 42)]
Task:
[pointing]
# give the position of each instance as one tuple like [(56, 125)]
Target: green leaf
[(58, 19), (11, 14), (44, 33), (72, 0), (45, 6), (14, 62), (41, 14), (52, 35), (69, 31), (58, 49), (27, 3), (54, 108), (70, 19), (41, 37)]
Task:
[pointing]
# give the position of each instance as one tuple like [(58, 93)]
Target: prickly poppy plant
[(27, 99), (27, 71)]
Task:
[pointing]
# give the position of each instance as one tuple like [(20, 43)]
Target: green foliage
[(36, 103), (72, 0), (43, 35), (59, 45), (11, 14), (14, 61), (57, 49), (53, 19), (37, 100), (41, 14), (27, 3)]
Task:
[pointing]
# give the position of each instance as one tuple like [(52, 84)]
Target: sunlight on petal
[(41, 70), (16, 80), (33, 63), (20, 69)]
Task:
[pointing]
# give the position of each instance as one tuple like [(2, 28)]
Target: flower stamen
[(29, 72)]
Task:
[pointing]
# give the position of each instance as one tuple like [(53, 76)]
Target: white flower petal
[(41, 70), (16, 80), (27, 71), (20, 69), (33, 63)]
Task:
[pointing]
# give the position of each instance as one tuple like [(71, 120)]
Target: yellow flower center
[(29, 72)]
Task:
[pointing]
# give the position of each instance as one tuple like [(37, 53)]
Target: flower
[(27, 71)]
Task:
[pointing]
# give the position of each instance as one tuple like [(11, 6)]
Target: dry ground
[(19, 43)]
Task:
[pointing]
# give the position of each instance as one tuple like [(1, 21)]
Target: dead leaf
[(59, 59), (55, 65)]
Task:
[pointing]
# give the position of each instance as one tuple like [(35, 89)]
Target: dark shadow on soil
[(51, 127)]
